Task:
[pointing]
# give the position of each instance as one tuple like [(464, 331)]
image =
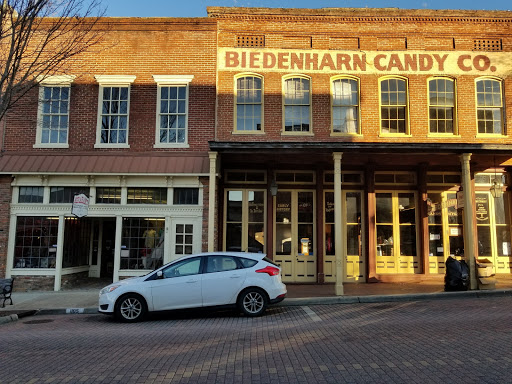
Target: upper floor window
[(113, 111), (393, 110), (31, 195), (345, 106), (142, 195), (248, 104), (297, 104), (53, 111), (441, 105), (172, 110), (108, 195), (186, 196), (489, 104), (66, 194)]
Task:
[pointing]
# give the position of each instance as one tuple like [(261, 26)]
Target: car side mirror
[(159, 275)]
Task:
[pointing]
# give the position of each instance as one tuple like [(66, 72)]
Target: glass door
[(493, 229), (294, 235), (396, 233), (244, 229)]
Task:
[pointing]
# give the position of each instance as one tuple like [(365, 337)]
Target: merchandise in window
[(248, 103), (441, 105), (393, 99), (54, 114), (297, 104), (345, 106), (142, 243), (489, 106), (173, 115), (36, 242)]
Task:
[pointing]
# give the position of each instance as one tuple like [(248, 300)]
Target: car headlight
[(108, 289)]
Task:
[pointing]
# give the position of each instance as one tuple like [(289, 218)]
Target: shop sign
[(80, 207), (370, 62), (482, 209)]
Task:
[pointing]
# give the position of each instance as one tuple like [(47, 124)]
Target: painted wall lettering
[(368, 62)]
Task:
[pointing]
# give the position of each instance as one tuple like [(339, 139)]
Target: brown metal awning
[(94, 164)]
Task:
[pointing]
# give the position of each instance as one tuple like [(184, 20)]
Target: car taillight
[(272, 271)]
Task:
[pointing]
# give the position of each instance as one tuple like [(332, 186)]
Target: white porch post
[(168, 252), (211, 201), (340, 270), (10, 246), (469, 236), (60, 253), (117, 249)]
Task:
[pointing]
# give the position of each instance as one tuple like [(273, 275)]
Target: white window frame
[(112, 81), (61, 81), (309, 132), (236, 103), (171, 81)]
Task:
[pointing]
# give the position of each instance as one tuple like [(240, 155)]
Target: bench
[(6, 290)]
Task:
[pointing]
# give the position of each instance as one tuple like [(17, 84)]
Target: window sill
[(61, 146), (386, 135), (490, 136), (444, 135), (343, 134), (248, 133), (297, 134), (170, 146), (116, 146)]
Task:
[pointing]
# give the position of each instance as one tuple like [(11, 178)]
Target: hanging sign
[(460, 199), (80, 206)]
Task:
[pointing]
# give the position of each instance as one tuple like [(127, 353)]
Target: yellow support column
[(211, 201), (469, 236)]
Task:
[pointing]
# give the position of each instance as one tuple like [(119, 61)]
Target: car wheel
[(130, 308), (252, 302)]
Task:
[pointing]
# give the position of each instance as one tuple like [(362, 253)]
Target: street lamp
[(496, 188), (273, 187)]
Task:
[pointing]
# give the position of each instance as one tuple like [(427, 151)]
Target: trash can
[(457, 275), (485, 272)]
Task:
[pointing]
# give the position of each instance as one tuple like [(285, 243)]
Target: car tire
[(130, 308), (252, 302)]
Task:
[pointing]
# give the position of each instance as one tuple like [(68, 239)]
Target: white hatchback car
[(249, 281)]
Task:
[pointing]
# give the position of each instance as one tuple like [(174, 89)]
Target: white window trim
[(51, 81), (112, 81), (169, 81), (236, 131), (284, 132)]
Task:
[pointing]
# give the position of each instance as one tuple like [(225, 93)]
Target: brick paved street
[(443, 341)]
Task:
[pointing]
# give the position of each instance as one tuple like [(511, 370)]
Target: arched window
[(393, 101), (345, 105), (297, 104), (489, 106), (248, 103), (441, 102)]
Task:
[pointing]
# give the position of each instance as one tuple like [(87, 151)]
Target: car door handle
[(235, 276), (192, 281)]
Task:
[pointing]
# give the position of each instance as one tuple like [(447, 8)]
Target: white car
[(249, 281)]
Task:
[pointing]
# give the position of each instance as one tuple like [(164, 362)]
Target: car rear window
[(247, 263)]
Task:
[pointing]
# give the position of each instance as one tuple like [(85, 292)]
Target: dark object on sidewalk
[(6, 289), (457, 275)]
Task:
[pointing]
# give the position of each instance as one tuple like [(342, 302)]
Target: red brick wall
[(140, 47), (5, 199), (373, 30)]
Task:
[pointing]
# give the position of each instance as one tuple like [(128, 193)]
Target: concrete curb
[(290, 302)]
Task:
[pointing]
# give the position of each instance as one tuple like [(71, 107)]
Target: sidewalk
[(86, 300)]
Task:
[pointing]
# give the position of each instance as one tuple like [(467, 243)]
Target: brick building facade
[(350, 145)]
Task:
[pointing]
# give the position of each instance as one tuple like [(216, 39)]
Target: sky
[(197, 8)]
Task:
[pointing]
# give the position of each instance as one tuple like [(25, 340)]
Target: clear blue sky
[(197, 8)]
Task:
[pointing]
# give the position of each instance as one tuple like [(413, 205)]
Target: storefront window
[(105, 195), (36, 242), (142, 243), (353, 220), (501, 209), (305, 223), (330, 233), (283, 223), (234, 221), (77, 241), (147, 195), (483, 225)]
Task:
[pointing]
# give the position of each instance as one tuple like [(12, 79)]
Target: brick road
[(443, 341)]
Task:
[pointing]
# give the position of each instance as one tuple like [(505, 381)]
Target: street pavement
[(459, 339)]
